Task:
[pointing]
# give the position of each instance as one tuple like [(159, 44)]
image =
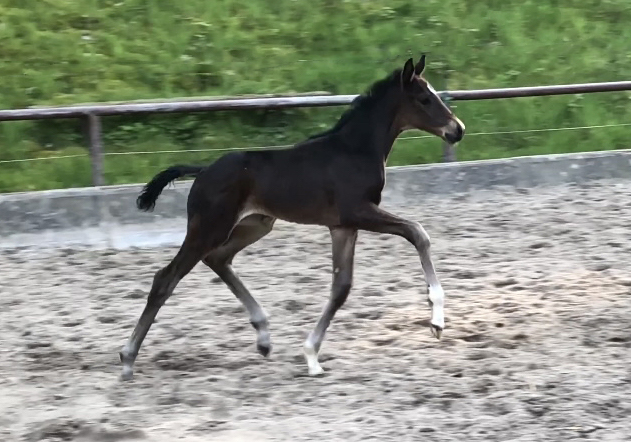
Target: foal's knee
[(420, 238)]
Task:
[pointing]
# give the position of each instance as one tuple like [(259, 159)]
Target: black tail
[(147, 199)]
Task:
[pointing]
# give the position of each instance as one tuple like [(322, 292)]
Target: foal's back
[(299, 184)]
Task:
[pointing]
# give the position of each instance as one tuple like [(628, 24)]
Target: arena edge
[(106, 217)]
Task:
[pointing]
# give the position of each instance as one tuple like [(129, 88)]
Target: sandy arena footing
[(537, 345)]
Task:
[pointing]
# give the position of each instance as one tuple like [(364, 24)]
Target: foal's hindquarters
[(218, 228)]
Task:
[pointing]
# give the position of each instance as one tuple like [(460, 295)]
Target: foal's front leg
[(374, 219), (343, 245)]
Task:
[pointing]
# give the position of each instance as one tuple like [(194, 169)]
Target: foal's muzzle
[(454, 131)]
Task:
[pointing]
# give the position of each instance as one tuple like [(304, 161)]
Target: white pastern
[(312, 359), (437, 298)]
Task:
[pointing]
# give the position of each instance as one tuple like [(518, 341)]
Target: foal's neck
[(374, 129)]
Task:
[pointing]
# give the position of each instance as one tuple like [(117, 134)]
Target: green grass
[(65, 52)]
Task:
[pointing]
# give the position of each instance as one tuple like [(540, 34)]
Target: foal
[(332, 179)]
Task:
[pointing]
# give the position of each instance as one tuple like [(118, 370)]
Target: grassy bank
[(64, 52)]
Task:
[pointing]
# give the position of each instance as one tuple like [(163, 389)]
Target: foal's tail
[(147, 199)]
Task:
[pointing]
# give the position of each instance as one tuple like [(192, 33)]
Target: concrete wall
[(107, 216)]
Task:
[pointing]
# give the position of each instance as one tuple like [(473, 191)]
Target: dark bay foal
[(333, 179)]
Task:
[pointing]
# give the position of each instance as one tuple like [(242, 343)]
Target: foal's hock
[(332, 179)]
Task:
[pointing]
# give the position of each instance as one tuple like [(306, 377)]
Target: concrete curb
[(106, 217)]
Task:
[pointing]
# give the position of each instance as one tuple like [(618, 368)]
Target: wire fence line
[(92, 113), (283, 146)]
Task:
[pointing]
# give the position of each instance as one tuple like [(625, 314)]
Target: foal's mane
[(373, 94)]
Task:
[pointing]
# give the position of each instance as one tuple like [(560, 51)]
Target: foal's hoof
[(437, 331), (127, 374), (264, 349), (316, 371), (128, 365)]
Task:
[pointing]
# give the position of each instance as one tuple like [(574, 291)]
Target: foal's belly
[(305, 198)]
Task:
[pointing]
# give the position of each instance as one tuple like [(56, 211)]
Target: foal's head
[(422, 108)]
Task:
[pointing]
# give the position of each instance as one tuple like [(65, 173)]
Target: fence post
[(449, 150), (96, 149)]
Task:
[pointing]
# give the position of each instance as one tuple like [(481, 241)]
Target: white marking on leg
[(260, 321), (311, 357), (437, 297), (128, 363)]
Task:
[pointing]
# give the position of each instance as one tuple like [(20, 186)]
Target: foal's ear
[(407, 75), (420, 66)]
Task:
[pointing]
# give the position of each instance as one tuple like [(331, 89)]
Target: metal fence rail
[(92, 113), (540, 91)]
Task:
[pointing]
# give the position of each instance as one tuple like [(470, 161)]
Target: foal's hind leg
[(193, 249), (219, 260), (343, 245)]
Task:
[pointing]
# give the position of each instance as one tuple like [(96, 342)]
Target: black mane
[(374, 93)]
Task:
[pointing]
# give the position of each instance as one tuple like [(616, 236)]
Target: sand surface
[(537, 345)]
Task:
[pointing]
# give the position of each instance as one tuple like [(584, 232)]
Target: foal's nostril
[(455, 135), (459, 132)]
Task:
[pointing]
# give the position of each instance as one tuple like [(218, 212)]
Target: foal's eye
[(425, 101)]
